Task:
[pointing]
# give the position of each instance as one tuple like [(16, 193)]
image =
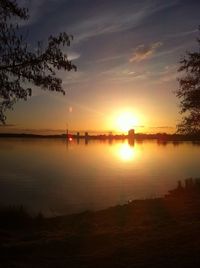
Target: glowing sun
[(126, 121)]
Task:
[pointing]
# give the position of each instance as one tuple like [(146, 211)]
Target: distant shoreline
[(138, 136)]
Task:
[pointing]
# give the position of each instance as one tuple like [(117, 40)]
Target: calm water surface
[(54, 177)]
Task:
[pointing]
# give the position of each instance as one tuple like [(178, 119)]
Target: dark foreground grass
[(163, 232)]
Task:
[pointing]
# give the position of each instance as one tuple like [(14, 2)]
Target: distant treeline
[(138, 136)]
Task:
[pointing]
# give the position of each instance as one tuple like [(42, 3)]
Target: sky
[(127, 53)]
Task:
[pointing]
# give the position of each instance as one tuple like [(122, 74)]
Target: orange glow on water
[(125, 152)]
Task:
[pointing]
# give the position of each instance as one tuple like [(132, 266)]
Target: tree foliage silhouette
[(189, 92), (20, 65)]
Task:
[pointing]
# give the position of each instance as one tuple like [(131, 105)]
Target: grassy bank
[(163, 232)]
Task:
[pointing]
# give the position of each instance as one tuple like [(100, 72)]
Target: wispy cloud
[(112, 20), (161, 127), (182, 34), (106, 24), (73, 55), (144, 52), (168, 74)]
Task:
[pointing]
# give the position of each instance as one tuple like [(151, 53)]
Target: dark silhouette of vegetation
[(190, 190), (189, 92), (13, 217), (20, 65), (18, 218)]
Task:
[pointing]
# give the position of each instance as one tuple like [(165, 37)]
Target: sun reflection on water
[(125, 152)]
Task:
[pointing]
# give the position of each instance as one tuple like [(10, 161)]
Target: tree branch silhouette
[(20, 64), (189, 92)]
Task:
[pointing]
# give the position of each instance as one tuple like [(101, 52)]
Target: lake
[(55, 177)]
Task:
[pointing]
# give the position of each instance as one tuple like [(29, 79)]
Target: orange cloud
[(143, 52)]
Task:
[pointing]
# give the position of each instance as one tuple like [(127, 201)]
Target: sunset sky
[(127, 54)]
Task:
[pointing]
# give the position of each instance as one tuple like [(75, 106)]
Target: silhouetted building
[(131, 133), (86, 135)]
